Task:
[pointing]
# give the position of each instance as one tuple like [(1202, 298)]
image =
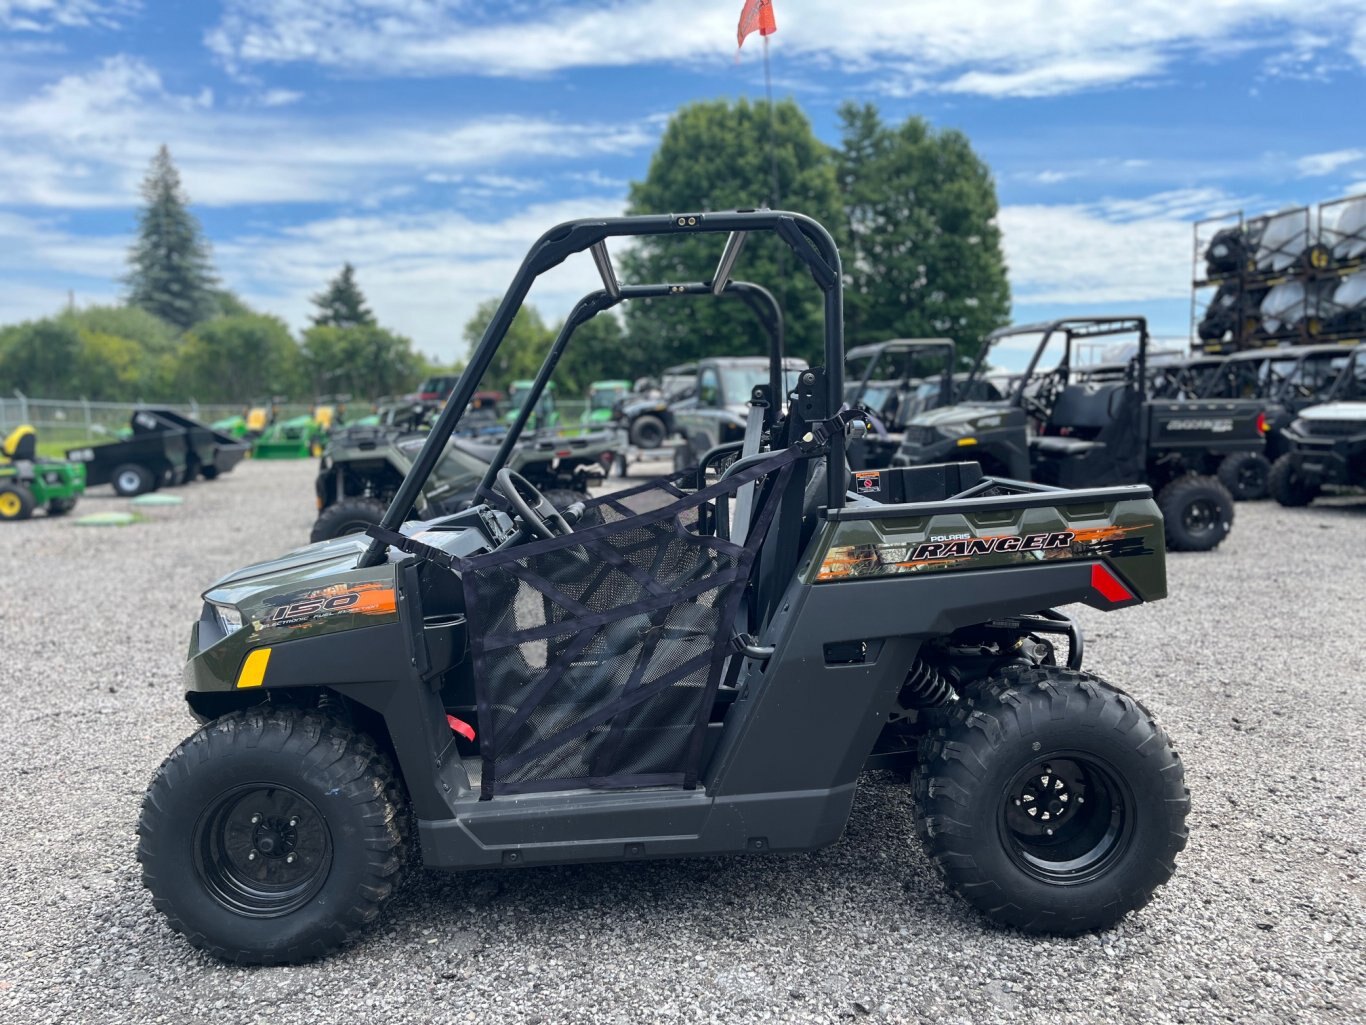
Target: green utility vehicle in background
[(29, 482), (544, 416), (661, 672), (1064, 428), (603, 397)]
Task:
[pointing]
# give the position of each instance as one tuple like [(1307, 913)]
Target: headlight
[(952, 430), (229, 618)]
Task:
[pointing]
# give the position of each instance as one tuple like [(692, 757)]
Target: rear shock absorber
[(925, 687)]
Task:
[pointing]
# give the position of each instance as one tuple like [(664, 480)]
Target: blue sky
[(430, 141)]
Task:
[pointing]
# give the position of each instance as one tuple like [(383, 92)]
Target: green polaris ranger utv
[(29, 482), (1064, 427), (663, 672)]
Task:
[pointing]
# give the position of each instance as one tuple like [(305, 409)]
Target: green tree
[(523, 350), (599, 350), (924, 252), (236, 359), (342, 304), (715, 156), (152, 346), (361, 360), (37, 358), (171, 275), (110, 368)]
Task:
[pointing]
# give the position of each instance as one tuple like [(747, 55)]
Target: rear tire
[(648, 432), (1198, 512), (132, 479), (1288, 486), (273, 837), (60, 506), (16, 502), (1107, 788), (349, 516), (1245, 475)]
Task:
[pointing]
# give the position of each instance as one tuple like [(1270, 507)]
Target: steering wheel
[(1039, 403), (533, 507)]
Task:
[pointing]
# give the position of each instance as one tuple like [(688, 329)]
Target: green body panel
[(1127, 533), (602, 397), (47, 480), (236, 426), (544, 416), (295, 438), (259, 592)]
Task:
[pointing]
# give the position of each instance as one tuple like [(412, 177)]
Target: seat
[(21, 445)]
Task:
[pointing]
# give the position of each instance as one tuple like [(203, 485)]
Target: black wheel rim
[(1201, 516), (649, 434), (1066, 818), (262, 850)]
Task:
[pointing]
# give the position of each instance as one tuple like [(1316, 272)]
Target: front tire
[(1288, 486), (349, 516), (209, 472), (1052, 802), (1245, 475), (648, 432), (1198, 512), (60, 506), (16, 502), (273, 837)]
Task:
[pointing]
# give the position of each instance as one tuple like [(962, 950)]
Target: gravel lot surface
[(1255, 665)]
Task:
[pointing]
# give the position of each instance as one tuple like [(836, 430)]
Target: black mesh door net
[(597, 655)]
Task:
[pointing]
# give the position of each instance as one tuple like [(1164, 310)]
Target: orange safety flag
[(757, 15)]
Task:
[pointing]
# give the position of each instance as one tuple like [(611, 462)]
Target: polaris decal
[(304, 607), (961, 551)]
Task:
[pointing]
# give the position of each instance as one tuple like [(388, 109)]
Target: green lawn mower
[(29, 482)]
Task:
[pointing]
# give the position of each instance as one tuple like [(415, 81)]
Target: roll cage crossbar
[(1073, 328), (756, 297), (810, 242), (877, 350)]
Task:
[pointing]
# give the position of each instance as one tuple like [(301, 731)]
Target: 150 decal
[(300, 608)]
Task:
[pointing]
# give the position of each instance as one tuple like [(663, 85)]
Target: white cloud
[(1318, 164), (48, 15), (85, 140), (1115, 251), (280, 97), (423, 273), (989, 47)]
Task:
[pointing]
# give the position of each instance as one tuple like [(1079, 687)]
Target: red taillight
[(1111, 588), (1263, 424), (564, 453)]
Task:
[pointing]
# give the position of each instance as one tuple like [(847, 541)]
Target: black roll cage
[(877, 350), (1074, 328), (809, 240)]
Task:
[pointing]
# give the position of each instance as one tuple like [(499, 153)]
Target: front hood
[(1335, 411), (963, 413), (299, 566)]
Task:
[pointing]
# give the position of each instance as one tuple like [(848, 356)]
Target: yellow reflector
[(966, 441), (254, 668)]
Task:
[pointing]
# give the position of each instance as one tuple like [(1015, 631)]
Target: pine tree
[(171, 274), (342, 304)]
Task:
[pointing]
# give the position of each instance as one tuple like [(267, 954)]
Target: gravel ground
[(1255, 666)]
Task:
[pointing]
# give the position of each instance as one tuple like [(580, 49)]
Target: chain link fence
[(69, 423)]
